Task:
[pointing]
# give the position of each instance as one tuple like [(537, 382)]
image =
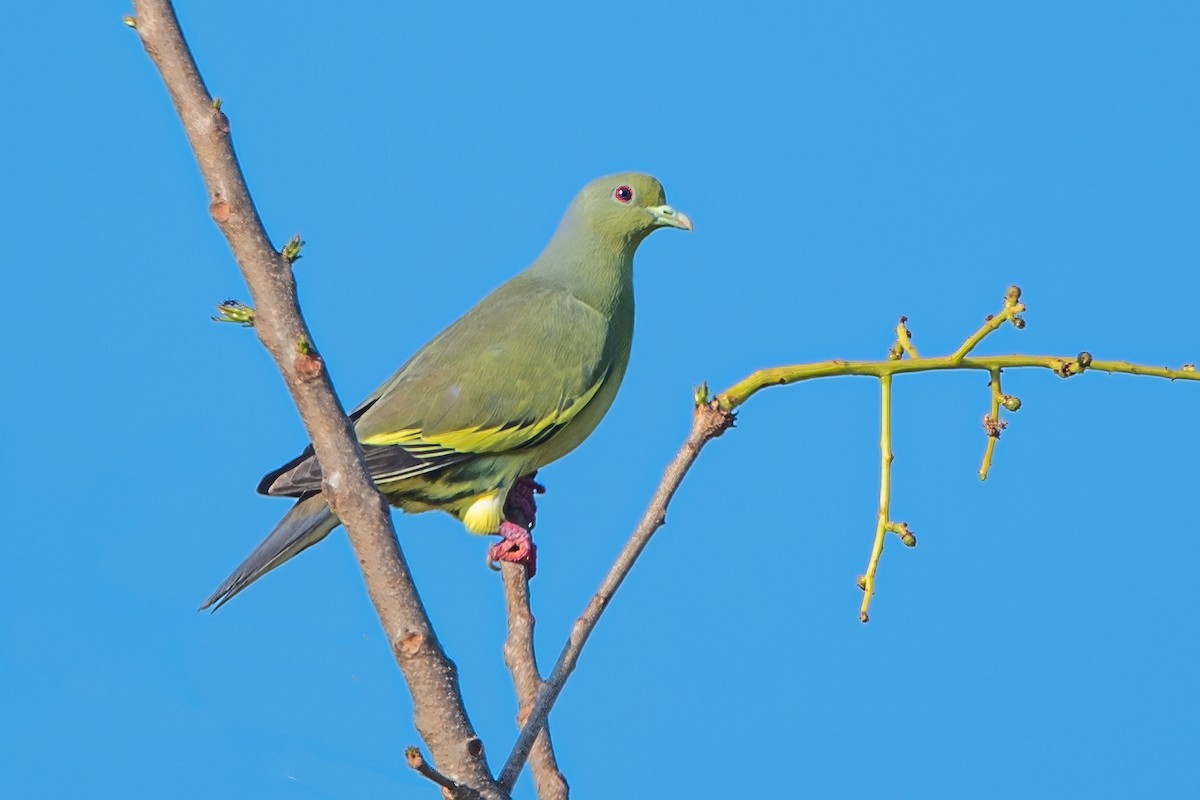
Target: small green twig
[(897, 363), (992, 425), (1010, 313), (904, 340), (867, 582), (291, 250), (236, 312), (883, 522)]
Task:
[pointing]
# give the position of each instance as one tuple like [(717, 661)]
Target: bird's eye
[(623, 194)]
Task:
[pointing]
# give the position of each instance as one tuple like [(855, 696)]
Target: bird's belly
[(459, 489)]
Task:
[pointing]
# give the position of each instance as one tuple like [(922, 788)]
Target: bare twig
[(904, 343), (416, 760), (708, 422), (885, 494), (527, 681), (992, 425), (1013, 307), (438, 710), (897, 364)]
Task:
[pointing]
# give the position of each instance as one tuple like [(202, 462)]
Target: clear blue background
[(845, 163)]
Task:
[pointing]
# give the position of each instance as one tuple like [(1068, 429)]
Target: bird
[(517, 382)]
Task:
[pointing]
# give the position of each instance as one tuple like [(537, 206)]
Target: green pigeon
[(517, 382)]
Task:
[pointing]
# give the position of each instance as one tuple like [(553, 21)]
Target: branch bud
[(901, 530), (1065, 368), (291, 250), (236, 312)]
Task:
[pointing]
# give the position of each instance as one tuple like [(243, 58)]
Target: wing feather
[(509, 375), (517, 368)]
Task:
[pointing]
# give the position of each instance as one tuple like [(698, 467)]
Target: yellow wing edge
[(483, 439)]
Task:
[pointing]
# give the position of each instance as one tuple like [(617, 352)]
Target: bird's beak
[(665, 216)]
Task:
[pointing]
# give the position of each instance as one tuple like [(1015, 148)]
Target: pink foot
[(515, 545)]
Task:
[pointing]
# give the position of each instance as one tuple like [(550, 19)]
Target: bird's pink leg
[(516, 541), (520, 505)]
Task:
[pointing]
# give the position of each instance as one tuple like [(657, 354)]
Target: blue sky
[(844, 164)]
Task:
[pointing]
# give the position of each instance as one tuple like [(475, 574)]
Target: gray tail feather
[(309, 521)]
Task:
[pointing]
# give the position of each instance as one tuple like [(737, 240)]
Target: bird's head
[(626, 207)]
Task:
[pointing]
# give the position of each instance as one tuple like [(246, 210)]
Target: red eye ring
[(623, 194)]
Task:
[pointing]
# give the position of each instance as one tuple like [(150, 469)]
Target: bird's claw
[(515, 545)]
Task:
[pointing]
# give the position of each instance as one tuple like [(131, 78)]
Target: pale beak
[(665, 216)]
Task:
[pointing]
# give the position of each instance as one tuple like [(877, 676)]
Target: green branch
[(1063, 366), (902, 359)]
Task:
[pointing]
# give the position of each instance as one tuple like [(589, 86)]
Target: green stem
[(994, 417), (743, 390), (885, 493)]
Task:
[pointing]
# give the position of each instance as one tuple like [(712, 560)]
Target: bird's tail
[(309, 521)]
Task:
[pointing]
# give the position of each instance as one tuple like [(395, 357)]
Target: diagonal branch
[(708, 422), (438, 710)]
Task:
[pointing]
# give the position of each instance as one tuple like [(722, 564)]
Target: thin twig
[(992, 425), (438, 710), (1010, 313), (416, 760), (527, 681), (896, 364), (904, 339), (885, 494), (709, 421)]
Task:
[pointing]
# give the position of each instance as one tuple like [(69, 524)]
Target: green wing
[(510, 374)]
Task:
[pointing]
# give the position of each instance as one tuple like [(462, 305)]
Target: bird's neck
[(596, 271)]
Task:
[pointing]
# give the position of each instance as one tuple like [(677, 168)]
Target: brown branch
[(416, 760), (438, 711), (527, 681), (708, 422)]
